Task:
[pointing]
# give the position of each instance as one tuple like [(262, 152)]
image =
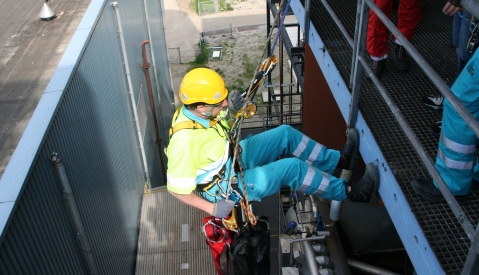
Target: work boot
[(435, 129), (434, 102), (349, 152), (401, 62), (426, 189), (366, 188), (377, 67)]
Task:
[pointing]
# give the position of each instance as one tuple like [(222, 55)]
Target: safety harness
[(189, 124), (219, 179)]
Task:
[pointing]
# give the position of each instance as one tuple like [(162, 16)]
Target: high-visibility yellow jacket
[(196, 155)]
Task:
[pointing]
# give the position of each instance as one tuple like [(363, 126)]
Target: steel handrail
[(355, 82)]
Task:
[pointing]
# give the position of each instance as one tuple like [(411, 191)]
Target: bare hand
[(450, 9)]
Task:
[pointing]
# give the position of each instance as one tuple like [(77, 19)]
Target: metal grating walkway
[(444, 233), (171, 240)]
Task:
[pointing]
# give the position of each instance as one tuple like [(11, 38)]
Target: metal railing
[(359, 64), (179, 56), (268, 116)]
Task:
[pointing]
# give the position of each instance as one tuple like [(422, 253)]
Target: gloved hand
[(223, 208), (235, 102)]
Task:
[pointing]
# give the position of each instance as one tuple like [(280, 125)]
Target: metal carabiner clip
[(473, 42), (221, 191)]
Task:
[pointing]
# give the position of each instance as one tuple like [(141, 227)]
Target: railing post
[(357, 69), (471, 266), (179, 54)]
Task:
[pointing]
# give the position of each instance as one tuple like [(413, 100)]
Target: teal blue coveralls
[(457, 144)]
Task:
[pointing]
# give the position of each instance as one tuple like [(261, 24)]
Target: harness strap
[(189, 124), (204, 187)]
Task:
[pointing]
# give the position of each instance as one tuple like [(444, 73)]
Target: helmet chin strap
[(207, 114)]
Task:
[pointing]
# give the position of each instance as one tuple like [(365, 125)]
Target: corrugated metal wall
[(165, 94), (93, 131)]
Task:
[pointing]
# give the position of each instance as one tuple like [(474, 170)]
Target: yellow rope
[(245, 203)]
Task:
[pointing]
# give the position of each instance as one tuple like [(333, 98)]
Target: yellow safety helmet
[(202, 85)]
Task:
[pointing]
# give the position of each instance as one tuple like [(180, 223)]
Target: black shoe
[(435, 128), (401, 62), (434, 102), (377, 67), (474, 185), (366, 188), (426, 189), (349, 153)]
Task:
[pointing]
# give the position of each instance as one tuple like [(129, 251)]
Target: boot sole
[(425, 196), (461, 200), (432, 107), (354, 160), (374, 193)]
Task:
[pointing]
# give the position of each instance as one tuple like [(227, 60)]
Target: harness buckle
[(235, 196), (217, 180), (473, 42)]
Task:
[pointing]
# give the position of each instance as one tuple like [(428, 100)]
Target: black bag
[(249, 252)]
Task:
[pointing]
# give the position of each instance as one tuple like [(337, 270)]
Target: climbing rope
[(280, 26), (245, 203), (263, 69)]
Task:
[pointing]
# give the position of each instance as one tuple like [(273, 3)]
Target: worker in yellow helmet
[(199, 154)]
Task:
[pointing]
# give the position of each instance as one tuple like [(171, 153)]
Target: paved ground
[(30, 51)]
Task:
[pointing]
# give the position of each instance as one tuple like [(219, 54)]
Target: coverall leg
[(409, 14), (457, 145), (307, 168), (377, 35)]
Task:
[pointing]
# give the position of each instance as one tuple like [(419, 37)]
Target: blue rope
[(279, 29)]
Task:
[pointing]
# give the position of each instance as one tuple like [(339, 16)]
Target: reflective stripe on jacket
[(195, 155)]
